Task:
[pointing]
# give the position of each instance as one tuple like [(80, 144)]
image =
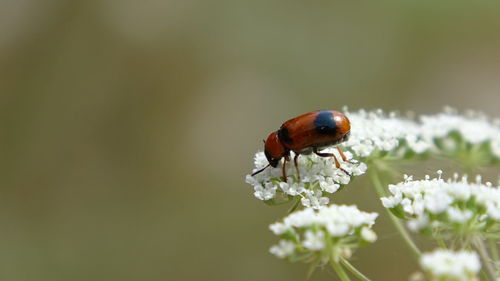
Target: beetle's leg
[(296, 166), (322, 154), (286, 158), (345, 158), (337, 163), (341, 154)]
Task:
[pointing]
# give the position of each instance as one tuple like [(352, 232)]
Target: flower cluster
[(447, 133), (474, 127), (373, 132), (319, 177), (455, 205), (459, 136), (326, 234), (451, 266)]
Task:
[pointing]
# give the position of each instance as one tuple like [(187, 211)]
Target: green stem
[(441, 243), (353, 270), (494, 251), (399, 226), (439, 239), (466, 241), (484, 275), (483, 253), (340, 272), (294, 206)]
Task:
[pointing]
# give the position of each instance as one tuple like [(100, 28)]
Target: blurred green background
[(127, 127)]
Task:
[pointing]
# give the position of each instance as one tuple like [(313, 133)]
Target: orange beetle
[(306, 134)]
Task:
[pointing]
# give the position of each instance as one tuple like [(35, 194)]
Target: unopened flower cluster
[(451, 266), (453, 206), (318, 177), (324, 234)]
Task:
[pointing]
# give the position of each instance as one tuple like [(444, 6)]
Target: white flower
[(314, 240), (314, 199), (302, 218), (283, 249), (393, 201), (457, 215), (337, 229), (278, 228), (495, 146), (417, 143), (493, 209), (437, 202), (264, 192), (260, 160), (407, 206), (368, 234), (359, 169), (448, 265), (292, 189), (418, 223), (329, 185)]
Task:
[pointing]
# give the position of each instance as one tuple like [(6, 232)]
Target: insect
[(305, 134)]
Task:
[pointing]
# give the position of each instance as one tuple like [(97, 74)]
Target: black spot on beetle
[(325, 124), (284, 136)]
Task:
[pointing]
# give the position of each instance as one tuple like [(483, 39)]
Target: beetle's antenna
[(264, 141), (254, 173)]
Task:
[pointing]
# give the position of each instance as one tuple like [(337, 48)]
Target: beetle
[(306, 134)]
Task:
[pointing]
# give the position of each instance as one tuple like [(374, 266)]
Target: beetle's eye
[(274, 162)]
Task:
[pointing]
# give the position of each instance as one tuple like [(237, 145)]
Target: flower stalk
[(340, 271), (353, 270), (485, 257), (493, 248), (397, 223)]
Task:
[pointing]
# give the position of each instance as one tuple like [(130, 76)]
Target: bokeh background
[(127, 127)]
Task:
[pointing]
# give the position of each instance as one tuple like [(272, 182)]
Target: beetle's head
[(274, 149)]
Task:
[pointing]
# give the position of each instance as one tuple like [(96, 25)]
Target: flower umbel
[(452, 207), (471, 138), (450, 131), (374, 132), (319, 177), (451, 266), (324, 235)]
